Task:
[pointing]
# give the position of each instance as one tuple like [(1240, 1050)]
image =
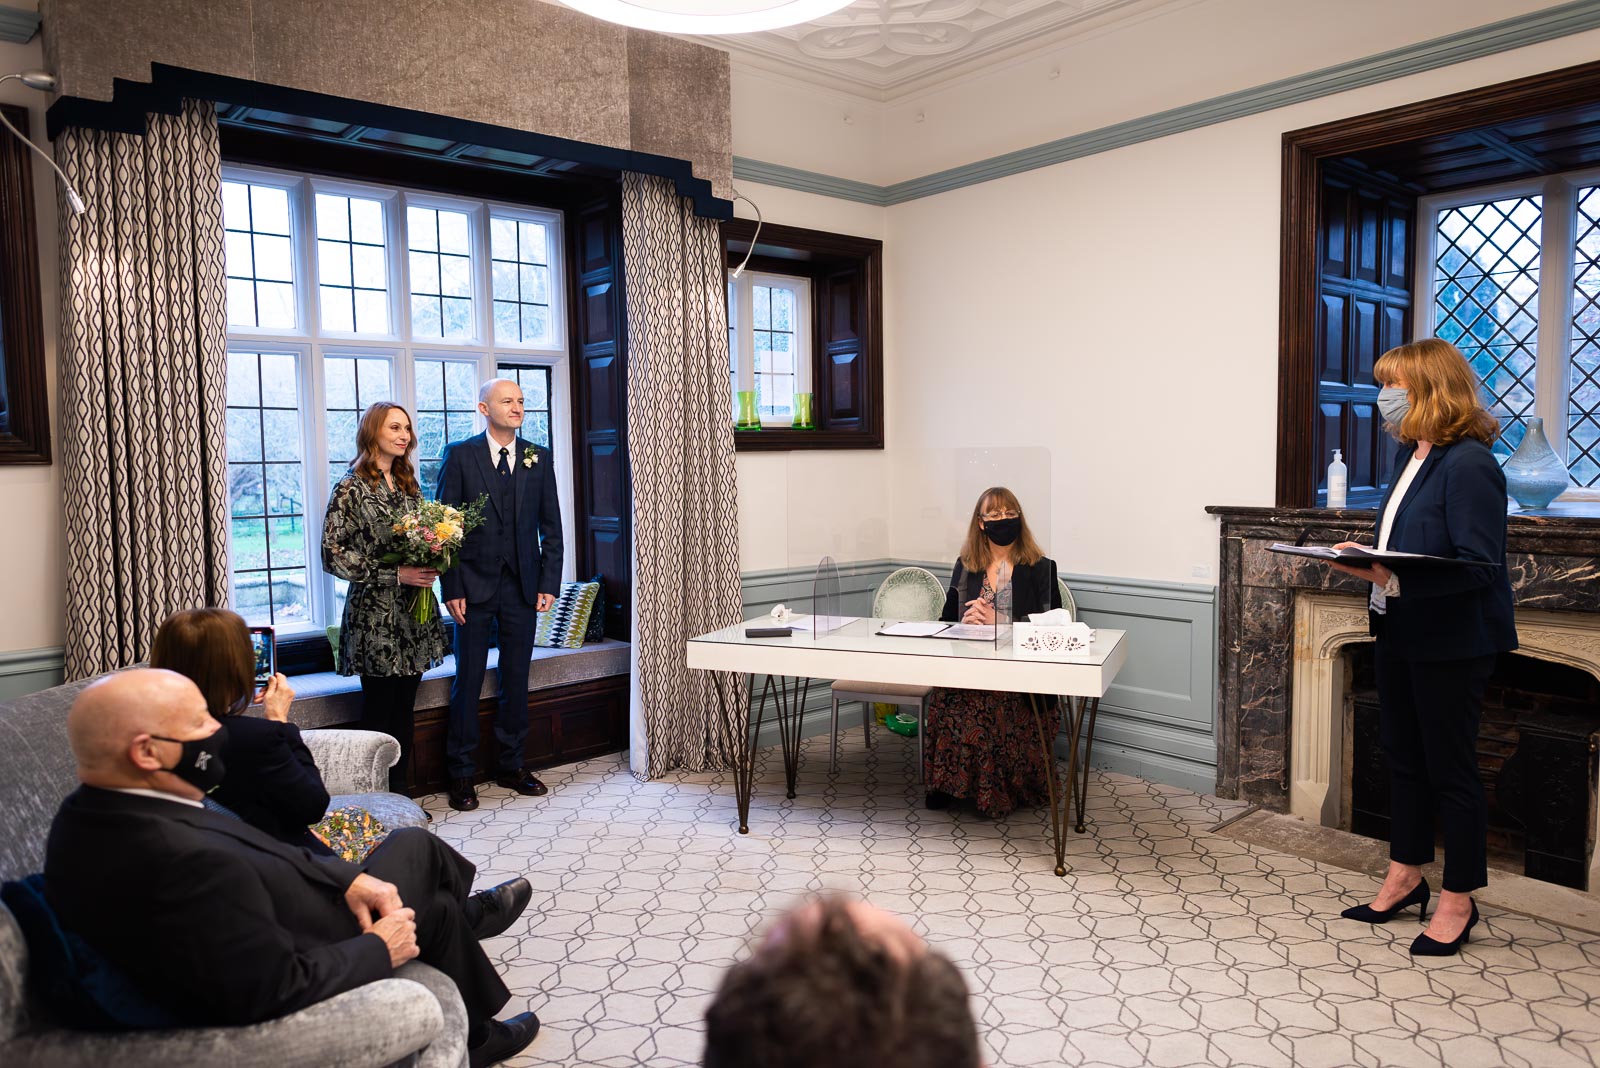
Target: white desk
[(856, 651)]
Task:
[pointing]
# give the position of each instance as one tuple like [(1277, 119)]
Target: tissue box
[(1030, 641)]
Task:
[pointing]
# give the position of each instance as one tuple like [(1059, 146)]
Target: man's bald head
[(500, 402), (112, 720)]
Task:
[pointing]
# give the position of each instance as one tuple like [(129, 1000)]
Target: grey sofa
[(415, 1018)]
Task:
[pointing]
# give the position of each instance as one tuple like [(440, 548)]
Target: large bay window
[(341, 294)]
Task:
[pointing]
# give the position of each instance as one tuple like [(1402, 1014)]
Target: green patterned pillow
[(564, 625)]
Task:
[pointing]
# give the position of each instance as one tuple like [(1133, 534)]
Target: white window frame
[(1557, 230), (743, 355), (398, 347)]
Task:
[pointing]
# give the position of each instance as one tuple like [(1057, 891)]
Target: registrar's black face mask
[(200, 763), (1003, 531)]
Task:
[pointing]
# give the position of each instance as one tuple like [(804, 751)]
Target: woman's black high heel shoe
[(1367, 914), (1427, 947)]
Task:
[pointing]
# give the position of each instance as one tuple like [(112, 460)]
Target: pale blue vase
[(1535, 475)]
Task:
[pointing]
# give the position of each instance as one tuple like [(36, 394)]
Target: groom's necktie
[(503, 467)]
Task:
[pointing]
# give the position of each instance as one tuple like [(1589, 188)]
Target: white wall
[(33, 590), (796, 506), (1122, 309)]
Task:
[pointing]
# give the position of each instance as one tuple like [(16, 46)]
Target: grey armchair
[(355, 769), (415, 1018)]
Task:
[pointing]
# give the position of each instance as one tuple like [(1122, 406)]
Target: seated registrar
[(219, 923)]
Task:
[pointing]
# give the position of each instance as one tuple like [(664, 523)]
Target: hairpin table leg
[(1058, 818)]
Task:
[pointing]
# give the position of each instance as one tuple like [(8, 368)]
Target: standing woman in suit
[(1438, 632), (985, 746), (379, 637)]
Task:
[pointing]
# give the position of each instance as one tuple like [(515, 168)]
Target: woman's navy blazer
[(1455, 506)]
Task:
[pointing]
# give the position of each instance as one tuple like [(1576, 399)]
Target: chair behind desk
[(910, 593)]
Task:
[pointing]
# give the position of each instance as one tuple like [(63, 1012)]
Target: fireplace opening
[(1537, 743)]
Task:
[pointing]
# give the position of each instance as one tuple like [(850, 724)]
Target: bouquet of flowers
[(430, 535)]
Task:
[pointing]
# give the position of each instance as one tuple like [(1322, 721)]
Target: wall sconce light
[(45, 82)]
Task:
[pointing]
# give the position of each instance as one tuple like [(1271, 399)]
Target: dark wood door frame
[(1304, 152)]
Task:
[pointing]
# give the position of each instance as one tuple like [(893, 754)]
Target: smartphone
[(265, 646)]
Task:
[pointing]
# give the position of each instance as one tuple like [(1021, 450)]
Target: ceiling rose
[(707, 16)]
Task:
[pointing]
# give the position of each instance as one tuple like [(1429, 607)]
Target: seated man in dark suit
[(224, 924), (841, 984)]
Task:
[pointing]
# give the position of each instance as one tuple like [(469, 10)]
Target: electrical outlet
[(1200, 571)]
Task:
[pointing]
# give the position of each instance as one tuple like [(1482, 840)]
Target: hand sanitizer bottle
[(1338, 480)]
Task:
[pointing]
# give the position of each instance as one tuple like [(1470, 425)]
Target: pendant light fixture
[(707, 17)]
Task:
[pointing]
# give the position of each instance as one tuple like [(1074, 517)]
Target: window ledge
[(326, 699), (777, 439)]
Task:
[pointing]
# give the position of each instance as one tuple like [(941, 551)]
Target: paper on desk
[(915, 629), (969, 632)]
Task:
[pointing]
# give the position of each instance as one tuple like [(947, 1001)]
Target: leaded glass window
[(344, 293), (1514, 282)]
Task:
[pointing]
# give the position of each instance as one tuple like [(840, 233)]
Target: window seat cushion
[(323, 698)]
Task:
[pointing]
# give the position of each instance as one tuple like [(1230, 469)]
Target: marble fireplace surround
[(1283, 619)]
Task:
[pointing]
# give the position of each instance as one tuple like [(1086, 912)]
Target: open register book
[(1361, 557)]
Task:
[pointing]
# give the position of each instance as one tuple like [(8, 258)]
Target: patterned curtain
[(143, 384), (680, 447)]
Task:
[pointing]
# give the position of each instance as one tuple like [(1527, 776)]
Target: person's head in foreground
[(840, 984)]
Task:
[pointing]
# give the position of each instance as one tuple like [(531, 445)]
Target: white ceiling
[(888, 49)]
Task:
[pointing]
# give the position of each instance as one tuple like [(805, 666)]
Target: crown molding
[(18, 25), (754, 170), (1008, 47), (1518, 32)]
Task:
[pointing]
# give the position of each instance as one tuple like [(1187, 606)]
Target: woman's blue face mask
[(1393, 403)]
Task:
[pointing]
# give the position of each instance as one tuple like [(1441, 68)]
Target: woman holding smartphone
[(270, 780), (379, 637)]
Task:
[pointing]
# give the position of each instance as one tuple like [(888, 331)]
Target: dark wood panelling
[(600, 431), (1355, 308), (565, 723), (846, 276), (24, 403), (1546, 123)]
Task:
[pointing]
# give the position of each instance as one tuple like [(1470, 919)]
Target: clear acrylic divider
[(935, 492), (1003, 613), (825, 613)]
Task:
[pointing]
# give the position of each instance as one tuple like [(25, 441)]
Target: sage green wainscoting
[(29, 671)]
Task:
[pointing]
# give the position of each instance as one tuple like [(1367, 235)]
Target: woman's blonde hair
[(977, 553), (1446, 398), (366, 462)]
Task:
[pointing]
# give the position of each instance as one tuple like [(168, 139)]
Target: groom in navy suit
[(509, 570)]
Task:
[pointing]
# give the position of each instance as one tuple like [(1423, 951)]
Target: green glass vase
[(746, 417), (804, 404)]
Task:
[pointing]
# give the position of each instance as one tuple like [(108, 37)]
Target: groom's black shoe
[(503, 1039), (523, 782), (463, 797), (490, 912)]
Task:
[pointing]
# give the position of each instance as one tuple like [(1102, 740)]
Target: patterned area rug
[(1164, 945)]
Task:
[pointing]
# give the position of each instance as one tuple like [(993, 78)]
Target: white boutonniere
[(529, 457)]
